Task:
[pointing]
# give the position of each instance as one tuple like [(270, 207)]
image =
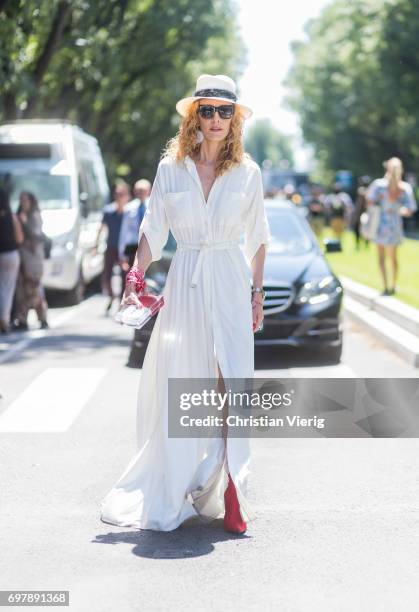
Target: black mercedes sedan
[(303, 297)]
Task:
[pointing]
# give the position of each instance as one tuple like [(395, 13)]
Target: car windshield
[(289, 235), (51, 191)]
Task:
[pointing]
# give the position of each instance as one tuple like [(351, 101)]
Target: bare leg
[(394, 263), (41, 305), (382, 262)]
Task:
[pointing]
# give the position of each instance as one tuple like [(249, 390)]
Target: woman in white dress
[(208, 192)]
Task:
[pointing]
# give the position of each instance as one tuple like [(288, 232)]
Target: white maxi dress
[(204, 327)]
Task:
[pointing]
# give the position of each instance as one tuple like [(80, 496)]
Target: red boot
[(233, 521)]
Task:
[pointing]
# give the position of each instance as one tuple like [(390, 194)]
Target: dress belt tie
[(203, 248)]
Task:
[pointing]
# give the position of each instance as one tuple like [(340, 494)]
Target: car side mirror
[(332, 245)]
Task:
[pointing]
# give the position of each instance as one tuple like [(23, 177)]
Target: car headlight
[(318, 291)]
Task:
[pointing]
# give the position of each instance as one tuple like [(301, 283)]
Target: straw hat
[(218, 87)]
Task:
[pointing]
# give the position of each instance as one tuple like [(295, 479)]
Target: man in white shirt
[(133, 215)]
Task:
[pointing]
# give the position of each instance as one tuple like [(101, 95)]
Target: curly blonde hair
[(184, 143)]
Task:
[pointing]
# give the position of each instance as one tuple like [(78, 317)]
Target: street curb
[(403, 342), (390, 308)]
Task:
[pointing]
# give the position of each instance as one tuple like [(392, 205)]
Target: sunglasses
[(207, 111)]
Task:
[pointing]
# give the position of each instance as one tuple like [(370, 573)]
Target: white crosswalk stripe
[(52, 401), (54, 322)]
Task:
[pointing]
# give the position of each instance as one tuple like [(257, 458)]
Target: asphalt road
[(338, 519)]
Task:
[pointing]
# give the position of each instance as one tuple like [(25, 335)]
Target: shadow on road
[(280, 357), (61, 345), (191, 539)]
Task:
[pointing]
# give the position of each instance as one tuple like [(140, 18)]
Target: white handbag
[(370, 220)]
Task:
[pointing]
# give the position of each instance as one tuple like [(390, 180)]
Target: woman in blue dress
[(396, 200)]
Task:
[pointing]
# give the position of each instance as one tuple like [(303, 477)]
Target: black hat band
[(216, 93)]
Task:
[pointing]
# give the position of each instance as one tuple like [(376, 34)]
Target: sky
[(267, 28)]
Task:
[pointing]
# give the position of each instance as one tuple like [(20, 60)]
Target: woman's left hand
[(257, 312)]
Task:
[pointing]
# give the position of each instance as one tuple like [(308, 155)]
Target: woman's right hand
[(130, 296), (134, 287)]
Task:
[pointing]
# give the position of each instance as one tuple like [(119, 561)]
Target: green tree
[(114, 67), (355, 83), (264, 141)]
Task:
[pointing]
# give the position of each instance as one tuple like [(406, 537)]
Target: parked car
[(303, 297), (63, 167)]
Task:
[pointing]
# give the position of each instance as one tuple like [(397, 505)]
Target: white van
[(63, 167)]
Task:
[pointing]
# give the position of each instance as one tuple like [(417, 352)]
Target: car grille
[(278, 297)]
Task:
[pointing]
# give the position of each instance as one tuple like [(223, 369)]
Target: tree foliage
[(114, 67), (355, 84), (264, 141)]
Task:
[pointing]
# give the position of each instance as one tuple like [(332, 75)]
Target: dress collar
[(190, 164), (191, 167)]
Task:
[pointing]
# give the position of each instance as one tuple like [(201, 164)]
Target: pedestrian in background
[(360, 208), (316, 211), (11, 236), (111, 220), (339, 207), (29, 290), (395, 199), (133, 216)]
